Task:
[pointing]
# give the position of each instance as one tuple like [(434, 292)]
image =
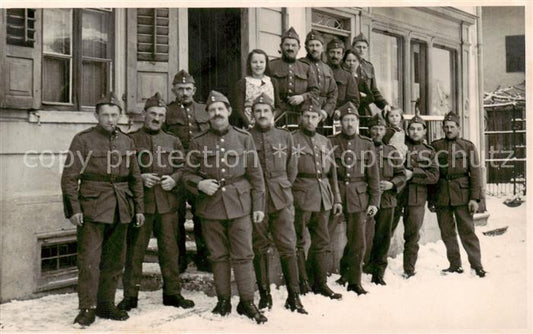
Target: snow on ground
[(428, 302)]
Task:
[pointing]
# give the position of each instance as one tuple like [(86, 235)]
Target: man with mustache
[(296, 82), (316, 194), (160, 157), (358, 174), (185, 119), (457, 194), (327, 88), (275, 151), (223, 171), (102, 193)]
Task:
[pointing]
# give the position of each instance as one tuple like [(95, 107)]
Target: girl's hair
[(386, 115), (347, 52), (249, 61)]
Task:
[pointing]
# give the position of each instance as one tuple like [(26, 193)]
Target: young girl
[(255, 83), (395, 134)]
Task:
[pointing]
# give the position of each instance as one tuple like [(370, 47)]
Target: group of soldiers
[(253, 189)]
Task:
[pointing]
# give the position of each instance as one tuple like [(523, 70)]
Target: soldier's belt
[(311, 176), (455, 176), (104, 178), (354, 179), (225, 182)]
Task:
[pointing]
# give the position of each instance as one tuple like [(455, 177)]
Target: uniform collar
[(333, 66), (308, 133), (263, 130), (220, 133), (348, 137), (150, 131), (103, 131), (378, 143), (287, 60), (311, 59)]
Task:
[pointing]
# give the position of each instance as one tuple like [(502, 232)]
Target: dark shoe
[(110, 311), (294, 303), (250, 310), (177, 301), (223, 307), (128, 303), (368, 269), (378, 280), (341, 281), (324, 290), (357, 288), (450, 270), (203, 265), (408, 274), (304, 287), (480, 272), (85, 317), (265, 299)]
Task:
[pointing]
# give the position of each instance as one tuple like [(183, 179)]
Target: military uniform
[(421, 161), (102, 181), (185, 122), (228, 156), (459, 183), (315, 192), (358, 176), (294, 78), (347, 90), (161, 154), (275, 150), (379, 227)]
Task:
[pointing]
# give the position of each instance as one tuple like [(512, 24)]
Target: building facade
[(56, 63)]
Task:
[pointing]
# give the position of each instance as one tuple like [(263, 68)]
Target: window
[(77, 56), (330, 26), (386, 56), (152, 34), (515, 54), (58, 256), (442, 81), (58, 260), (419, 75), (21, 27)]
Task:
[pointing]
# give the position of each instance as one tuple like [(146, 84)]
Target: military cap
[(109, 98), (214, 97), (291, 33), (263, 98), (376, 120), (360, 38), (155, 101), (311, 106), (451, 116), (314, 35), (335, 43), (183, 77), (417, 119), (348, 109)]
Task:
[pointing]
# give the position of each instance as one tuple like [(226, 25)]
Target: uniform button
[(221, 140), (290, 83), (348, 174), (346, 182), (290, 90), (349, 143), (319, 171), (190, 124), (222, 149), (222, 160), (290, 71), (223, 170), (189, 109), (190, 132), (223, 188), (318, 163)]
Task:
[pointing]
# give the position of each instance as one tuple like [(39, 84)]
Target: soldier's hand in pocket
[(76, 219), (258, 216), (167, 183), (209, 186), (139, 220), (150, 179), (337, 209)]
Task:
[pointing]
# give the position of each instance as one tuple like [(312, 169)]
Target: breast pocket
[(300, 82), (279, 156)]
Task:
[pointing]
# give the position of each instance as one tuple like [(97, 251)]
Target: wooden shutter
[(20, 58)]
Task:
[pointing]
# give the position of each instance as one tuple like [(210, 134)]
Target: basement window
[(58, 261)]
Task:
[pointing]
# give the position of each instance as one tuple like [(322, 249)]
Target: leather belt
[(104, 178), (455, 176), (311, 176), (225, 182), (355, 179)]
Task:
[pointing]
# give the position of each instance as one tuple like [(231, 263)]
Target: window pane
[(94, 82), (57, 30), (442, 93), (419, 76), (385, 56), (56, 79), (95, 27)]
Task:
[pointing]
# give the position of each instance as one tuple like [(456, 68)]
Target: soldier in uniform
[(160, 157), (296, 82), (275, 150), (421, 171), (358, 174), (392, 180), (366, 78), (185, 119), (347, 90), (316, 193), (224, 173), (327, 87), (457, 194), (102, 193)]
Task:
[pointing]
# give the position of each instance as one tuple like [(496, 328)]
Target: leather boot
[(249, 309), (128, 303), (223, 306), (263, 281), (294, 303), (177, 301), (302, 272), (85, 317), (321, 287), (108, 310), (357, 288)]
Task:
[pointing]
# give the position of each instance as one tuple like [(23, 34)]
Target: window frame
[(454, 70)]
